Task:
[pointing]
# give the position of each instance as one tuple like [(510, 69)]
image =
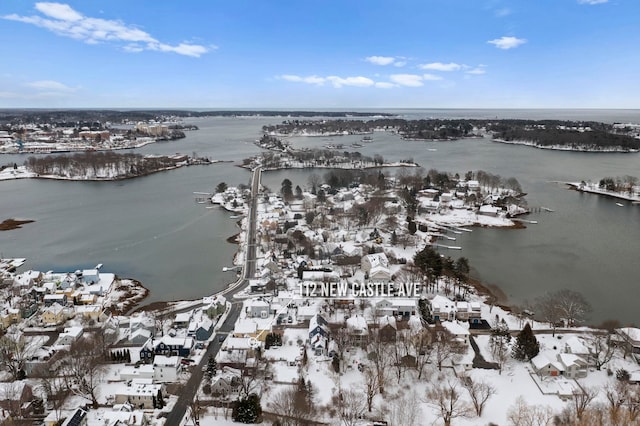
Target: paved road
[(191, 388)]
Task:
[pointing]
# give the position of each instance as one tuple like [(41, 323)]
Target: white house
[(552, 363), (165, 368), (459, 333), (442, 309), (370, 261), (70, 335), (257, 308)]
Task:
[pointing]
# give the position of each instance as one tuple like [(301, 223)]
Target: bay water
[(151, 228)]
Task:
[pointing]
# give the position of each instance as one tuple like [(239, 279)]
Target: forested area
[(595, 139), (99, 165)]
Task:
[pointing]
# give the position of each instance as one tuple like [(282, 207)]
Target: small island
[(98, 166), (9, 224)]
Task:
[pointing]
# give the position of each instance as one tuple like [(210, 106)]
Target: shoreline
[(30, 175), (615, 195), (532, 144)]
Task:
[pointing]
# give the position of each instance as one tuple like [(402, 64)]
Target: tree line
[(98, 165)]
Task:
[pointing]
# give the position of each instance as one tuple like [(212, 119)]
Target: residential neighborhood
[(294, 355)]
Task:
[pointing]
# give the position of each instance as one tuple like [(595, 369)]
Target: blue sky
[(321, 54)]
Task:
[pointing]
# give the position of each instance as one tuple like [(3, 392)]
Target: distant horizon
[(458, 54), (311, 109)]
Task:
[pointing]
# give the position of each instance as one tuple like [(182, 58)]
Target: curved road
[(189, 391)]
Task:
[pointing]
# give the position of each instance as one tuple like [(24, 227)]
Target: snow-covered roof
[(245, 326), (166, 361), (631, 332), (388, 320), (442, 304), (357, 323), (455, 328)]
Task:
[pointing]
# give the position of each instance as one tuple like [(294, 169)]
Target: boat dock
[(447, 247)]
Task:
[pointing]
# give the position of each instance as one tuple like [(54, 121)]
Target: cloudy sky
[(321, 54)]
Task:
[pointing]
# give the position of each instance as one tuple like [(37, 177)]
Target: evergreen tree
[(159, 399), (128, 356), (247, 410), (527, 345)]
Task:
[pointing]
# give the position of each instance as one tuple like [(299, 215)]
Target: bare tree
[(499, 343), (445, 347), (422, 348), (480, 392), (447, 399), (379, 357), (84, 367), (601, 349), (15, 350), (11, 392), (548, 309), (572, 305), (292, 407), (194, 411), (616, 394), (405, 411), (370, 385), (351, 405), (582, 398), (522, 414)]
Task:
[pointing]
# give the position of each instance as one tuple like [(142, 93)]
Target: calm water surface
[(151, 228)]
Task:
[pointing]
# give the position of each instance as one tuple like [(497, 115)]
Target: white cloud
[(63, 20), (439, 66), (380, 60), (410, 80), (479, 70), (309, 80), (335, 81), (501, 13), (385, 85), (350, 81), (592, 1), (431, 77), (50, 85), (399, 64), (507, 42)]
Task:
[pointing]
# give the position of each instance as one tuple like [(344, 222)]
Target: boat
[(619, 204), (367, 139), (357, 145)]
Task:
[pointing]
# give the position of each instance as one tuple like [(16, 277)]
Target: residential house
[(468, 311), (78, 418), (397, 306), (52, 315), (257, 308), (14, 395), (318, 325), (226, 386), (441, 309), (9, 316), (183, 319), (50, 299), (234, 353), (358, 330), (89, 312), (200, 327), (139, 394), (166, 345), (631, 338), (139, 336), (69, 336), (387, 329), (144, 372), (552, 363), (90, 276), (166, 368), (374, 260), (459, 333)]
